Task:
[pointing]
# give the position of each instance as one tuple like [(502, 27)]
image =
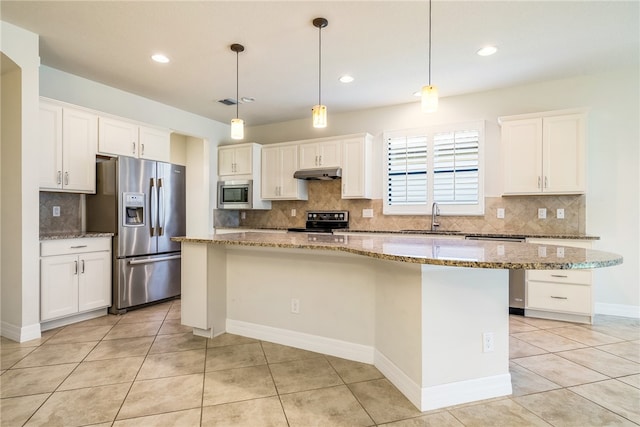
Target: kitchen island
[(430, 313)]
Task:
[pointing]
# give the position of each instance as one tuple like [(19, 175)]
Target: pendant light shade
[(429, 92), (237, 124), (319, 111)]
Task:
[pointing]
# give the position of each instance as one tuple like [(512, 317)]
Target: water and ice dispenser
[(133, 209)]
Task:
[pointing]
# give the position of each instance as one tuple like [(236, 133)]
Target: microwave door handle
[(153, 208), (161, 224)]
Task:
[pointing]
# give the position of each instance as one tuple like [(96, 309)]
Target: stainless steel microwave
[(237, 194)]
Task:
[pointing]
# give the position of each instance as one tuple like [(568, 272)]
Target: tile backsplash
[(521, 214), (70, 219)]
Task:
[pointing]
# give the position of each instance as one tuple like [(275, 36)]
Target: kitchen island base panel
[(422, 325)]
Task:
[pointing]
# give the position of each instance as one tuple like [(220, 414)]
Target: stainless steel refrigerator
[(143, 203)]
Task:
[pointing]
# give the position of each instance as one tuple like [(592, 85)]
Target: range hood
[(325, 174)]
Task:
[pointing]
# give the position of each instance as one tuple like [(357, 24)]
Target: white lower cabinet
[(75, 276), (560, 294)]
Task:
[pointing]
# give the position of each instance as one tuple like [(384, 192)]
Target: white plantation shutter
[(455, 167), (442, 165)]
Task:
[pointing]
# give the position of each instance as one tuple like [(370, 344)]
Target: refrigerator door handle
[(152, 260), (154, 207), (160, 208)]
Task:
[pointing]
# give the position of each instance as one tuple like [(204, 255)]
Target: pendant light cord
[(320, 65), (429, 42), (237, 83)]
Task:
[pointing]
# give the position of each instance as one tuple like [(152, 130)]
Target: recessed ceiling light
[(346, 78), (158, 57), (487, 50)]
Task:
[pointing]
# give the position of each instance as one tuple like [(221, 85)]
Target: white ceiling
[(383, 44)]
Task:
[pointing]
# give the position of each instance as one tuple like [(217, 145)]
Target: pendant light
[(429, 92), (237, 124), (319, 111)]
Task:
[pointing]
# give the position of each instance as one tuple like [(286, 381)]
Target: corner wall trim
[(20, 334)]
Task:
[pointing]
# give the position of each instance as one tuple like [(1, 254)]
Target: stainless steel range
[(324, 222)]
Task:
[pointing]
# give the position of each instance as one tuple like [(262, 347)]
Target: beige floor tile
[(601, 361), (543, 323), (152, 397), (352, 372), (438, 419), (548, 341), (6, 343), (623, 328), (127, 347), (80, 407), (629, 350), (41, 379), (15, 411), (133, 330), (383, 402), (559, 370), (173, 326), (523, 381), (174, 313), (107, 320), (178, 342), (585, 335), (633, 380), (301, 375), (55, 354), (12, 355), (234, 356), (614, 395), (80, 334), (171, 364), (188, 418), (152, 313), (564, 408), (277, 353), (504, 412), (229, 339), (333, 406), (103, 372), (519, 348), (265, 412), (517, 325), (233, 385)]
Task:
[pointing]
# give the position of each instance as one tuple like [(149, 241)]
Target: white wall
[(76, 90), (613, 182), (20, 317)]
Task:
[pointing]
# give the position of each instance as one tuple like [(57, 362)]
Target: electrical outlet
[(500, 213), (560, 213), (488, 342), (542, 213), (295, 305), (293, 212), (56, 211), (243, 215), (560, 252), (367, 213)]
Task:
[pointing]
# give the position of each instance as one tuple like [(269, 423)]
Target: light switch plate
[(542, 213), (500, 213), (56, 211), (560, 213), (293, 212)]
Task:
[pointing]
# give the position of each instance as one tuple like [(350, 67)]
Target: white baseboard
[(398, 378), (20, 334), (621, 310), (330, 346), (56, 323)]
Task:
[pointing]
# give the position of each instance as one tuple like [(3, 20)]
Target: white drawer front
[(581, 277), (559, 297), (74, 246)]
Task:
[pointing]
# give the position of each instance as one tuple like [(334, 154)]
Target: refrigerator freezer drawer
[(145, 279)]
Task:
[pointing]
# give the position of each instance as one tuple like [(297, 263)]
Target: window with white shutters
[(442, 165)]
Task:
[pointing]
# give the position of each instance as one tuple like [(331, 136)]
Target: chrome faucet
[(435, 211)]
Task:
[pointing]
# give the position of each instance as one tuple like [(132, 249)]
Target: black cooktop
[(324, 222)]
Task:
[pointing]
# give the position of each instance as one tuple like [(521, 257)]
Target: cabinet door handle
[(66, 178), (76, 267), (559, 275), (78, 247), (133, 147), (59, 177), (320, 163), (142, 148), (82, 267), (555, 297), (546, 182), (539, 182)]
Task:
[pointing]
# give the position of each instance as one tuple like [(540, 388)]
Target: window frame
[(469, 209)]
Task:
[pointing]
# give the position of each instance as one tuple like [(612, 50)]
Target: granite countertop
[(73, 235), (436, 250)]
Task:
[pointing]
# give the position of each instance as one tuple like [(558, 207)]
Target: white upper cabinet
[(125, 138), (357, 167), (68, 140), (320, 154), (544, 153), (237, 159), (278, 165)]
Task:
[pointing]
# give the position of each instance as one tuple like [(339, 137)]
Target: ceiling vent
[(228, 101)]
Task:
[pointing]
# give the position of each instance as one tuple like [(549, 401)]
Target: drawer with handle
[(582, 277), (565, 298), (74, 246)]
